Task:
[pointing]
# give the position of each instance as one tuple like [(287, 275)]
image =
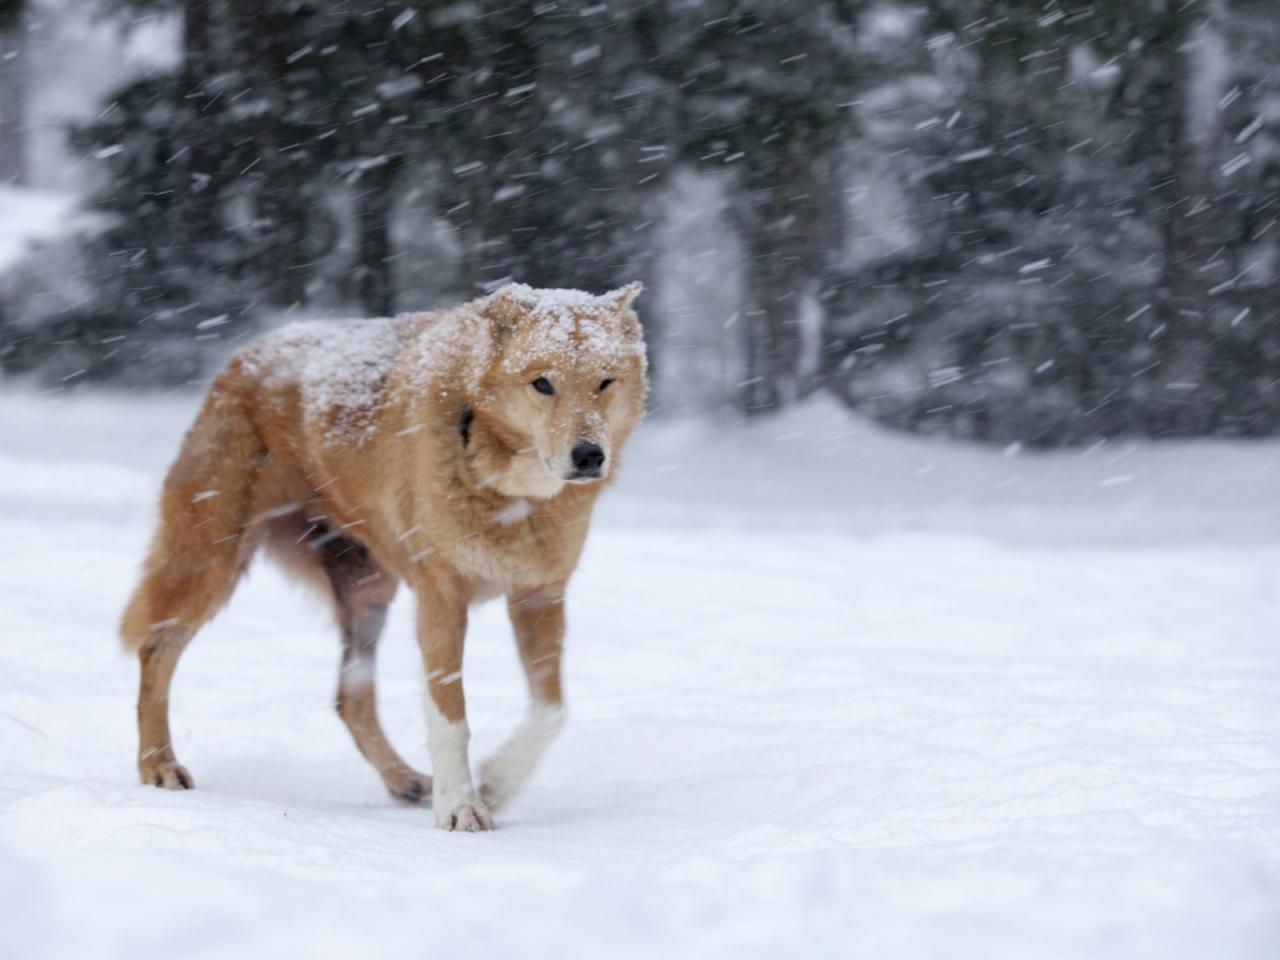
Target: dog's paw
[(168, 774), (494, 793), (470, 816), (410, 787), (506, 771)]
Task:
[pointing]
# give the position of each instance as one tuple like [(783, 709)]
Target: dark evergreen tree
[(266, 172), (1069, 279), (550, 141), (1088, 208)]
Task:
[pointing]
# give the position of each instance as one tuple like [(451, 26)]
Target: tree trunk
[(198, 206), (1182, 186), (13, 93), (374, 205), (781, 223), (281, 259)]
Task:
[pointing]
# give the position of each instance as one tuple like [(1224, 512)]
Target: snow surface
[(833, 692)]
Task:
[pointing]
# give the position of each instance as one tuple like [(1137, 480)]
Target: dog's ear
[(506, 308), (621, 300)]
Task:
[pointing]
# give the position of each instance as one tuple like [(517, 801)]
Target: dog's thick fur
[(425, 449)]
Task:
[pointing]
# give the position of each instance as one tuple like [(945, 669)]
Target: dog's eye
[(604, 384), (543, 385)]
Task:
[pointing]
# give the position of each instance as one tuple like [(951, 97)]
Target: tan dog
[(460, 451)]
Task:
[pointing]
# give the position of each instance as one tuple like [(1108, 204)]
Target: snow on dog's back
[(338, 368)]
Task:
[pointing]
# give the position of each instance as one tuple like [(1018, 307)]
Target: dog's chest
[(518, 542)]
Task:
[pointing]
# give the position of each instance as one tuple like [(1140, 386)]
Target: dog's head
[(565, 386)]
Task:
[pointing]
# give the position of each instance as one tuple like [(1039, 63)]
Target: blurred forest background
[(1012, 221)]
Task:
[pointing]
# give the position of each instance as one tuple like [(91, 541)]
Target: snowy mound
[(28, 216)]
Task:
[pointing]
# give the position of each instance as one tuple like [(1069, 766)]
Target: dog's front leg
[(537, 617), (442, 627)]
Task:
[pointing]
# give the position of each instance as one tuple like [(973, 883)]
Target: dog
[(458, 451)]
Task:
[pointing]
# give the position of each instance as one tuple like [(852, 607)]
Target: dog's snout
[(588, 459)]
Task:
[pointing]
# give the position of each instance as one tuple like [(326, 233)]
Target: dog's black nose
[(587, 458)]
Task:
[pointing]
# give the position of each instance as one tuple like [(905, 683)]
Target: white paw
[(507, 770), (470, 816)]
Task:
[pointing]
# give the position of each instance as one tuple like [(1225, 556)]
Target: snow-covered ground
[(833, 692)]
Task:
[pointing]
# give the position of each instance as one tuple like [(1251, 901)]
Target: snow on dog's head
[(566, 383)]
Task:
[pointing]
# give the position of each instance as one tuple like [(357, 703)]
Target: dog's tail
[(204, 538)]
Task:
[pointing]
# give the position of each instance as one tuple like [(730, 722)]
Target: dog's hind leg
[(157, 764), (203, 543), (362, 591)]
